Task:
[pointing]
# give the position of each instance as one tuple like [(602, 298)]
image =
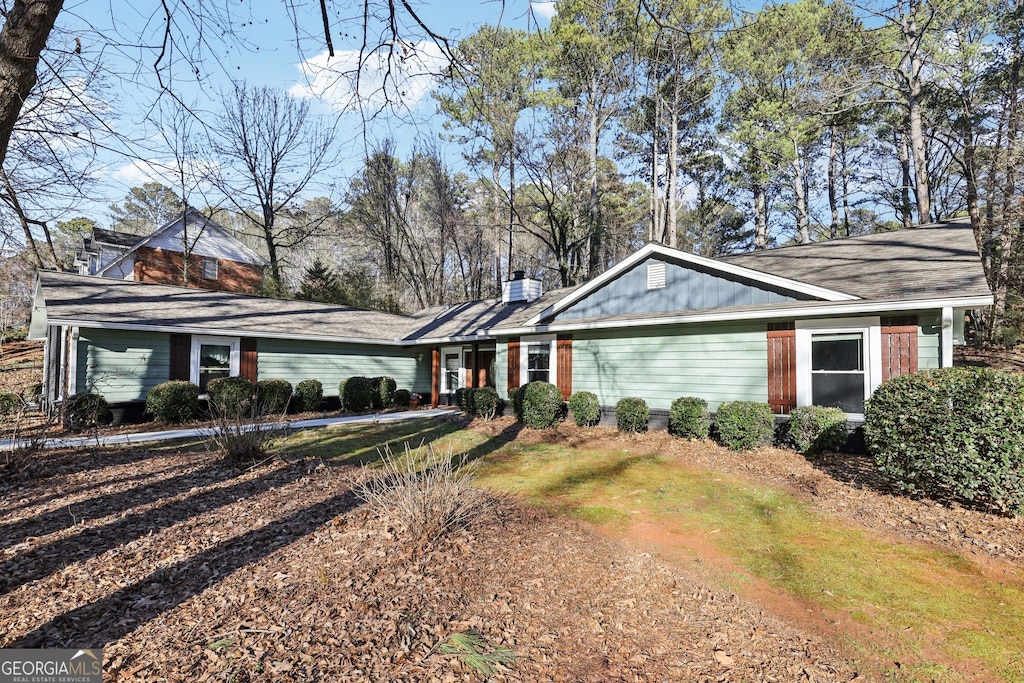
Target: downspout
[(947, 337)]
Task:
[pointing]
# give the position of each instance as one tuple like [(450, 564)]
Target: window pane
[(538, 362), (837, 352), (451, 371), (214, 362), (838, 390)]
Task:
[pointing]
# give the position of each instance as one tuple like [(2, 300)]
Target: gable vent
[(656, 275)]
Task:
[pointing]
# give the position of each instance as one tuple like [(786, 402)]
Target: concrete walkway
[(206, 432)]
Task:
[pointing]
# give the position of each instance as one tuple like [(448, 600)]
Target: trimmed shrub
[(542, 404), (462, 399), (515, 397), (385, 394), (486, 402), (402, 397), (173, 402), (86, 410), (586, 409), (688, 417), (356, 393), (231, 395), (951, 434), (745, 425), (813, 429), (273, 396), (9, 403), (309, 394), (632, 415)]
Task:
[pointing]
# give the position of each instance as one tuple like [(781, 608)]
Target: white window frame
[(524, 357), (870, 327), (443, 384), (210, 265), (234, 360)]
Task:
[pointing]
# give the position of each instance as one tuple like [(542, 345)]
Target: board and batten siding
[(501, 368), (686, 288), (122, 365), (718, 363), (332, 362)]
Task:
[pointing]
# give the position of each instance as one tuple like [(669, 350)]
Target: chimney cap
[(518, 274)]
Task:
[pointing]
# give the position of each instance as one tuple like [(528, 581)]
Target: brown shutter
[(564, 360), (435, 377), (899, 346), (247, 363), (781, 368), (181, 357), (513, 363)]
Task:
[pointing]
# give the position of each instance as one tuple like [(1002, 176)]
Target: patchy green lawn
[(905, 610)]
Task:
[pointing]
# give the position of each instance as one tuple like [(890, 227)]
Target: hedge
[(813, 429), (745, 425), (232, 396), (688, 418), (951, 434), (356, 393), (402, 397), (632, 414), (486, 402), (273, 396), (173, 402), (85, 410), (542, 404), (309, 394), (585, 408)]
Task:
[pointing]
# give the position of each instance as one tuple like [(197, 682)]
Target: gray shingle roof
[(931, 261), (140, 306), (467, 319), (120, 239)]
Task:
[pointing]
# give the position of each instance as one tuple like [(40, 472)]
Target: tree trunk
[(672, 219), (594, 212), (844, 179), (760, 217), (904, 152), (26, 27), (833, 205), (917, 142), (802, 221)]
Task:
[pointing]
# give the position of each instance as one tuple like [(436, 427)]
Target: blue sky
[(273, 43)]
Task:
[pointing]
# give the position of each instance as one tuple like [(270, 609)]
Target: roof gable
[(690, 283)]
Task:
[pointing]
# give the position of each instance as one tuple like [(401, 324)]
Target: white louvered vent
[(656, 275)]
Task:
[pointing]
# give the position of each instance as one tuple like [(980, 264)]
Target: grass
[(934, 612)]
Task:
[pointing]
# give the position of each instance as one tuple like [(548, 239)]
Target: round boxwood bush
[(309, 394), (356, 393), (951, 434), (463, 399), (386, 388), (688, 417), (586, 409), (85, 410), (9, 403), (515, 398), (273, 396), (745, 425), (231, 396), (173, 402), (486, 402), (542, 404), (813, 429), (632, 415), (402, 397)]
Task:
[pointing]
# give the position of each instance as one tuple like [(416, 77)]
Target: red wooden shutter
[(781, 367), (181, 357), (513, 363), (564, 360), (435, 377), (899, 346), (247, 362)]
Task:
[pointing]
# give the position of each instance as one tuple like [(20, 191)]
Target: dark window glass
[(538, 362), (214, 362), (839, 390), (843, 352)]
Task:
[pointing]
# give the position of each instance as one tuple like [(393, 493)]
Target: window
[(656, 275), (536, 360), (452, 370), (209, 268), (212, 358), (837, 371)]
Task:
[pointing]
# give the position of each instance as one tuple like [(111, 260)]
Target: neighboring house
[(216, 259), (823, 323)]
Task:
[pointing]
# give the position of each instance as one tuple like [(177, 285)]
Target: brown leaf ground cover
[(184, 568)]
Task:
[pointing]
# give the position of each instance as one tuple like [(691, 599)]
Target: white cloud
[(400, 74), (544, 9), (140, 171)]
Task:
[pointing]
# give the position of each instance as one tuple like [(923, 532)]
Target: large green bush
[(542, 404), (585, 408), (385, 395), (173, 402), (688, 417), (356, 393), (85, 410), (486, 402), (231, 396), (813, 429), (402, 397), (273, 396), (744, 425), (632, 414), (515, 398), (464, 399), (309, 394), (951, 434)]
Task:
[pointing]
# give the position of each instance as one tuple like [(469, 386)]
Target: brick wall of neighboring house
[(163, 267)]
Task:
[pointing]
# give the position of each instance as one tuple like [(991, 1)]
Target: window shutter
[(899, 346), (247, 361), (435, 377), (564, 361), (781, 368), (181, 357), (513, 363)]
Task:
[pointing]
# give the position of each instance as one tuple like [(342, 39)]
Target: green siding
[(330, 363), (929, 341), (122, 365), (715, 362), (501, 368)]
